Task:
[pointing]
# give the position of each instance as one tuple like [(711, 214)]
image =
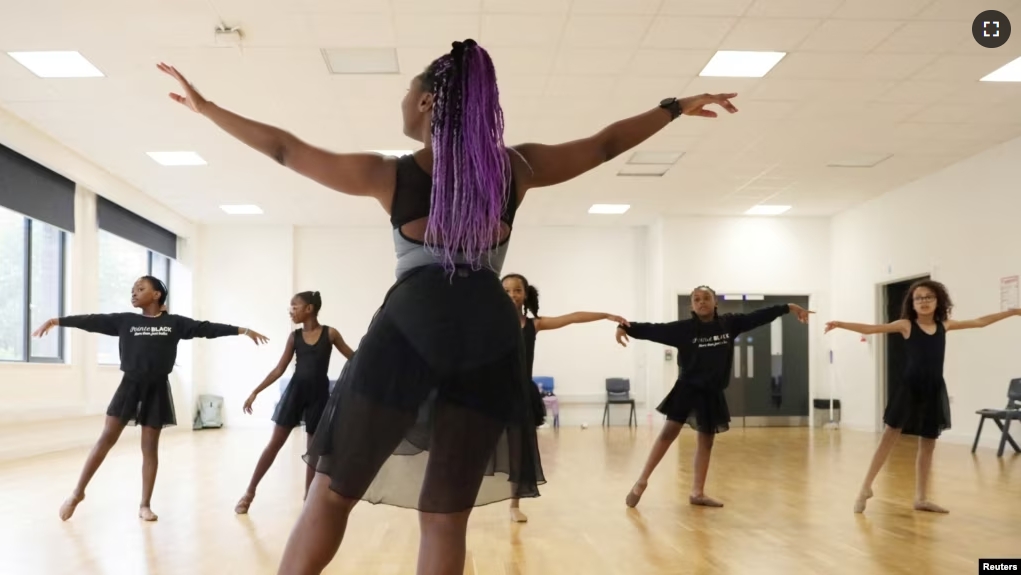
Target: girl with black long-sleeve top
[(148, 349), (705, 346)]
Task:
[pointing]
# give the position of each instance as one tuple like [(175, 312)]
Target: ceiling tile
[(579, 86), (793, 8), (831, 65), (964, 11), (919, 37), (687, 33), (436, 6), (526, 6), (425, 30), (789, 89), (704, 7), (521, 61), (584, 31), (850, 35), (521, 30), (415, 60), (649, 89), (880, 9), (616, 7), (922, 92), (954, 68), (774, 34), (591, 61), (353, 30), (646, 62)]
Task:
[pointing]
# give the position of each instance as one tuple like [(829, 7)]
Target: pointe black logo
[(991, 29)]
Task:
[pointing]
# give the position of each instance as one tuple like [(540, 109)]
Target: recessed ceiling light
[(1009, 72), (737, 64), (59, 64), (766, 210), (668, 158), (242, 209), (861, 161), (643, 170), (177, 158), (610, 209), (362, 61), (394, 153)]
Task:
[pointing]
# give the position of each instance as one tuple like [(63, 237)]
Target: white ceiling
[(862, 77)]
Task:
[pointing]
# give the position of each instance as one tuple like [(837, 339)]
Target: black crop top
[(413, 195)]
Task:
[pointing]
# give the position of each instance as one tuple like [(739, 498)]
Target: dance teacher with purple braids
[(432, 413)]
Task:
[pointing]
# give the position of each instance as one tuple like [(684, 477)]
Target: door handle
[(751, 362), (737, 364)]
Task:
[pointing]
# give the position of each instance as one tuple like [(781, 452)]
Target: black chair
[(1002, 418), (618, 391)]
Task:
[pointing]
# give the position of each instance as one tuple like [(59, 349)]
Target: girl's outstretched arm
[(548, 323), (983, 321), (339, 343), (901, 326), (274, 375)]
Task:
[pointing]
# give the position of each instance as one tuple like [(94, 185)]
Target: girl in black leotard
[(921, 405), (309, 388), (148, 349), (526, 299)]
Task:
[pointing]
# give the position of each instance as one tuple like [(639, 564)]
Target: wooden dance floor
[(788, 495)]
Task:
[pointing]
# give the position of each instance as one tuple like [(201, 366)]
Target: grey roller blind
[(130, 226), (35, 191)]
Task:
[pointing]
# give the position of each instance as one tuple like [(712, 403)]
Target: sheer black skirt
[(921, 407), (302, 402), (143, 399), (432, 412), (704, 410)]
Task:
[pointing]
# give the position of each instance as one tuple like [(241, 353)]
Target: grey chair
[(1002, 418), (618, 391)]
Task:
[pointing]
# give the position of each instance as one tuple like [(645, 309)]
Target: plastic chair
[(618, 391), (1002, 418)]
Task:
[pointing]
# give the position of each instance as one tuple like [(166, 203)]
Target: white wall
[(244, 276), (248, 274), (955, 225)]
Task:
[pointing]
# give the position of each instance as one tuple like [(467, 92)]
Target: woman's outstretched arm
[(555, 164), (361, 174), (557, 322)]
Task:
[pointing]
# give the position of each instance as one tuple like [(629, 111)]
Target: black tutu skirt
[(433, 411), (143, 399), (303, 401), (919, 407), (704, 410)]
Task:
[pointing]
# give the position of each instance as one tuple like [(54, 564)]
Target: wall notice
[(1009, 293)]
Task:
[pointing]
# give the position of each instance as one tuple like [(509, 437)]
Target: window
[(121, 263), (31, 287)]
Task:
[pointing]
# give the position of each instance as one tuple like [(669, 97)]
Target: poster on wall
[(1009, 293)]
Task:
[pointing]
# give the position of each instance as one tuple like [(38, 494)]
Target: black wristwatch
[(673, 106)]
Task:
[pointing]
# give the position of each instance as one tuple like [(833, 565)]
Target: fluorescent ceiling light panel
[(1009, 72), (736, 64), (394, 153), (242, 209), (177, 158), (860, 161), (57, 64), (643, 170), (766, 210), (664, 158), (362, 61), (609, 209)]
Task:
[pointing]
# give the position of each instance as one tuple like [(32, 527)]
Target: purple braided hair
[(471, 169)]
